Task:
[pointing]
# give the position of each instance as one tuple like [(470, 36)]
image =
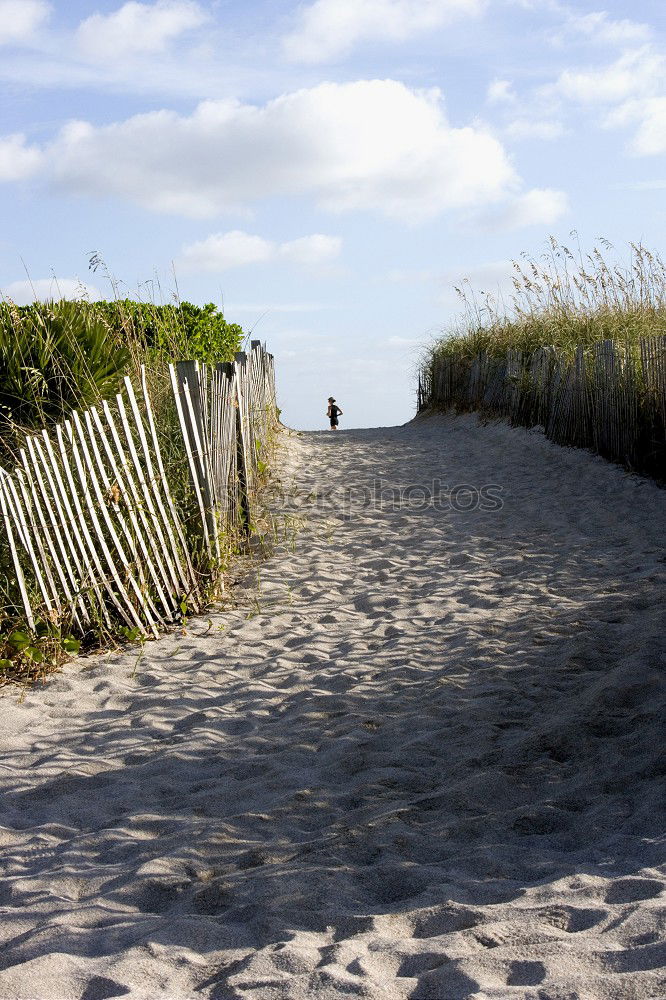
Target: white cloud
[(369, 145), (649, 115), (20, 19), (329, 29), (17, 160), (632, 88), (237, 248), (599, 27), (223, 250), (637, 72), (650, 138), (500, 92), (538, 207), (138, 28), (527, 128), (315, 249), (43, 289)]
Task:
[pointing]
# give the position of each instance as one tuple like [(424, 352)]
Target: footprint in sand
[(445, 920), (631, 890), (414, 966), (445, 983), (212, 899), (391, 883), (571, 919), (525, 973), (152, 895), (101, 988)]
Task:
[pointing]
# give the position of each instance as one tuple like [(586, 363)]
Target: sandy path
[(426, 765)]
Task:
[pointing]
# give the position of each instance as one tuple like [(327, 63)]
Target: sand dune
[(422, 760)]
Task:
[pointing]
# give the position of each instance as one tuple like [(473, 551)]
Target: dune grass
[(565, 299)]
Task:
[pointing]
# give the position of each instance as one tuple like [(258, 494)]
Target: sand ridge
[(421, 760)]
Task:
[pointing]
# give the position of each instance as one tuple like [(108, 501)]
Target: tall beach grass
[(563, 299), (577, 347)]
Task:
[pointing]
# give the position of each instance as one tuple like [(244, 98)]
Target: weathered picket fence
[(225, 414), (92, 525), (610, 398)]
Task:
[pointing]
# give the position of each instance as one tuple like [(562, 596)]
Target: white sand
[(426, 767)]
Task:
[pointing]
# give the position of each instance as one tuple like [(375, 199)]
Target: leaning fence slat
[(86, 469), (184, 581), (174, 585), (241, 453), (107, 497), (198, 432), (20, 509), (135, 533), (88, 547), (56, 522), (136, 510), (20, 579), (31, 504), (80, 564), (193, 384), (155, 488), (226, 445), (165, 484)]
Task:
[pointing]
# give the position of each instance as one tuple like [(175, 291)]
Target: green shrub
[(55, 357), (59, 356), (180, 332)]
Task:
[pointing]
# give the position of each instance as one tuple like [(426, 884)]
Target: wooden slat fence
[(610, 398), (92, 529), (226, 413)]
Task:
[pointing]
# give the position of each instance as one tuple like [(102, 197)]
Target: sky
[(326, 172)]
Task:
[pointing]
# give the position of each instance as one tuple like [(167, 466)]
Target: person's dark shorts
[(334, 422)]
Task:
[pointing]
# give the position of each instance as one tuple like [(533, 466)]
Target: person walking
[(333, 413)]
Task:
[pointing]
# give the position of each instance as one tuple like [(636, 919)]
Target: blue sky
[(326, 171)]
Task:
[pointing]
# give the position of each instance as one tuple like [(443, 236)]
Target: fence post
[(189, 398), (241, 441)]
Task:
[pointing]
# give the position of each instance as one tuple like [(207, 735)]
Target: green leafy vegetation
[(56, 357), (29, 655), (198, 333), (59, 356)]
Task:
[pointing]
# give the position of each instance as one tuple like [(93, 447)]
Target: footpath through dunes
[(425, 766)]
